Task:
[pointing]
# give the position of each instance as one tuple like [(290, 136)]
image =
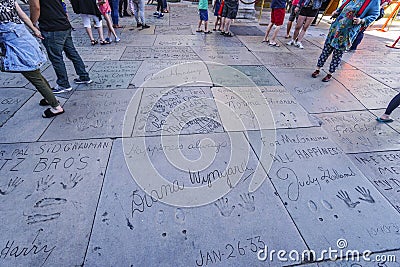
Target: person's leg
[(227, 24), (288, 28), (199, 26), (159, 6), (222, 26), (135, 6), (299, 24), (72, 54), (109, 25), (87, 25), (358, 40), (336, 59), (114, 12), (267, 32), (125, 7), (99, 26), (141, 7), (121, 2), (326, 51), (314, 22), (43, 87), (307, 24), (394, 103), (54, 44), (275, 34)]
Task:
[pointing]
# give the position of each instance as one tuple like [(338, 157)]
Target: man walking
[(56, 30)]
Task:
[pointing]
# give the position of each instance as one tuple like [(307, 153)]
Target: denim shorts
[(203, 14)]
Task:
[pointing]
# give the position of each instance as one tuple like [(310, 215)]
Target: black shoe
[(126, 14), (139, 25), (145, 26), (120, 15)]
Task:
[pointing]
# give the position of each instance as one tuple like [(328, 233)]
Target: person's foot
[(108, 40), (207, 32), (299, 45), (82, 81), (60, 89), (384, 118), (145, 26), (155, 14), (117, 39), (327, 78), (291, 42), (288, 37), (52, 112), (121, 15), (160, 16), (139, 25), (126, 14), (315, 74)]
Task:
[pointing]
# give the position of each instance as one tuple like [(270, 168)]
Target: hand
[(357, 21), (296, 9), (38, 34)]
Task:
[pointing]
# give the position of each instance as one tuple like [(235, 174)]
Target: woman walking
[(394, 103), (23, 53), (350, 18)]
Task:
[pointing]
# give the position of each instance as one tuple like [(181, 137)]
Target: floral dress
[(342, 31)]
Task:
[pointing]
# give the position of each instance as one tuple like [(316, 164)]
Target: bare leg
[(206, 26), (307, 24), (110, 27), (275, 34), (223, 21), (227, 24), (89, 32), (299, 25), (100, 31), (267, 32), (288, 28)]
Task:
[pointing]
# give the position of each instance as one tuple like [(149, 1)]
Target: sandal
[(327, 78), (94, 42), (274, 44), (199, 30), (228, 34), (288, 37), (315, 74), (43, 102), (207, 32), (222, 33), (265, 41), (384, 120), (104, 42), (49, 114)]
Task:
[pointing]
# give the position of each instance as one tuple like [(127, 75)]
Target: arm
[(34, 9), (27, 21), (370, 14)]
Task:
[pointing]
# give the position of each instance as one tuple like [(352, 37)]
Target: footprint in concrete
[(180, 216), (160, 217)]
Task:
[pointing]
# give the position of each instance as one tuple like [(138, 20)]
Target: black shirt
[(52, 16), (8, 13)]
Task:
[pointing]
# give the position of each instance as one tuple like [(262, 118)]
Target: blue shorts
[(217, 7), (203, 14)]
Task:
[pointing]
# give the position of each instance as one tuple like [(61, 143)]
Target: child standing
[(203, 12), (277, 18), (105, 10)]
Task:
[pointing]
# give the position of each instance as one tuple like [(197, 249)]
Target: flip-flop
[(94, 42), (207, 32), (274, 44), (384, 120), (288, 37), (49, 114), (199, 31), (105, 42), (228, 34), (43, 102), (265, 41)]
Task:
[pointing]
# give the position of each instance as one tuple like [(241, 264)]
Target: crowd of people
[(49, 22)]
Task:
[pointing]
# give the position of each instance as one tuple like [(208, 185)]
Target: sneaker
[(291, 42), (155, 14), (79, 81), (299, 45), (327, 78), (59, 89), (139, 25), (160, 16), (145, 26), (117, 39), (108, 40)]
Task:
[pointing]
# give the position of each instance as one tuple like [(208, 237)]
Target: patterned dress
[(342, 31)]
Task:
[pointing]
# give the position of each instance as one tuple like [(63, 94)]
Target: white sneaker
[(59, 89), (291, 42), (299, 45)]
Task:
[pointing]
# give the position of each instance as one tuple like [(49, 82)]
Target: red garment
[(295, 2), (278, 16), (104, 6), (221, 8)]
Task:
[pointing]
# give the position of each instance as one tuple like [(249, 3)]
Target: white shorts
[(86, 21)]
